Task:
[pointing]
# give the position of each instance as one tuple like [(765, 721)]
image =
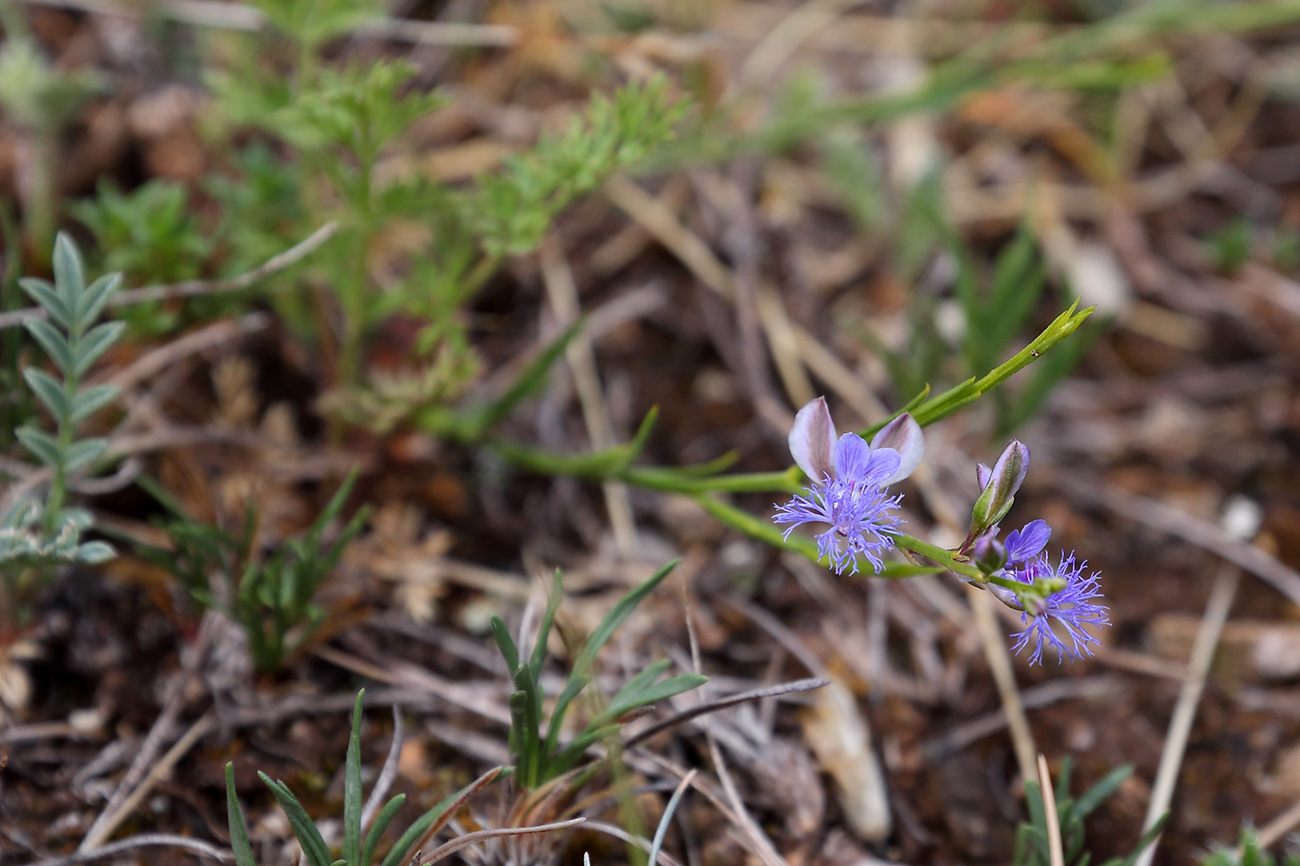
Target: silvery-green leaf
[(69, 273), (95, 343), (97, 294), (95, 552), (91, 399), (54, 343), (85, 452), (40, 443), (49, 390), (44, 294)]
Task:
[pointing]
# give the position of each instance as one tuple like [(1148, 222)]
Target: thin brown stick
[(468, 839), (143, 840), (562, 293), (1055, 850), (1180, 725), (192, 288), (722, 703)]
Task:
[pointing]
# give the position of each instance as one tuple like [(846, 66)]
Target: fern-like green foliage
[(511, 209), (540, 757), (272, 595), (359, 844), (1031, 837), (1248, 852), (311, 23), (148, 233)]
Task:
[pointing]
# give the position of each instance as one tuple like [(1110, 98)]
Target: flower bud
[(1000, 488), (990, 554)]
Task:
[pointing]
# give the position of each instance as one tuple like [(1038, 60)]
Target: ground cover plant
[(638, 401)]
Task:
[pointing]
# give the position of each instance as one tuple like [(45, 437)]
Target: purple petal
[(852, 457), (882, 466), (983, 474), (1024, 544), (812, 440), (903, 435)]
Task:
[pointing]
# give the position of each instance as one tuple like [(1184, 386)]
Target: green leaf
[(586, 659), (69, 272), (90, 400), (352, 790), (50, 391), (235, 816), (84, 452), (506, 644), (1103, 789), (54, 344), (95, 343), (658, 692), (423, 824), (96, 296), (95, 552), (382, 820), (480, 420), (44, 294), (313, 846), (544, 632), (40, 443)]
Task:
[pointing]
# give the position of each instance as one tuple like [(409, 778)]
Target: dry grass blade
[(456, 805), (662, 829), (1180, 725), (143, 840), (388, 774), (722, 703), (477, 836), (1055, 850)]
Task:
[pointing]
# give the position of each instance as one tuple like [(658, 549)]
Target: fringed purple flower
[(848, 478), (1061, 617)]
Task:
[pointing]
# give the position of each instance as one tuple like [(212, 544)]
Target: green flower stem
[(948, 559)]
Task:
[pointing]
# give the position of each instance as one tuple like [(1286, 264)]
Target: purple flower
[(848, 478), (1060, 619)]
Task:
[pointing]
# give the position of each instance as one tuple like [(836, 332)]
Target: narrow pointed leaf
[(235, 817), (95, 343), (657, 692), (50, 391), (548, 619), (85, 452), (382, 820), (40, 443), (90, 400), (352, 800), (96, 296), (69, 272), (54, 344), (313, 846), (433, 820), (44, 294)]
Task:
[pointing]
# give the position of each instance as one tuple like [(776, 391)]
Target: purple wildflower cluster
[(847, 490), (846, 493), (1065, 611)]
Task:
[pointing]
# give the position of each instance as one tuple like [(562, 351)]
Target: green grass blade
[(352, 790), (313, 845), (235, 816), (382, 820)]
